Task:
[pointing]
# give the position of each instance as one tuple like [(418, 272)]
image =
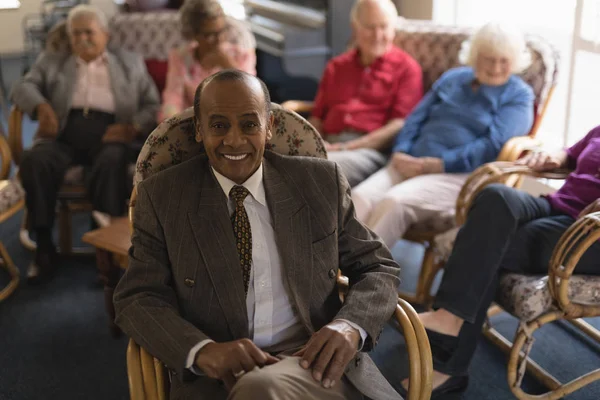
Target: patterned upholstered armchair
[(11, 201), (436, 48), (173, 142), (537, 300)]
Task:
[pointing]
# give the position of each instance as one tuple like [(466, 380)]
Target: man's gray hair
[(497, 39), (85, 10), (387, 6), (193, 13)]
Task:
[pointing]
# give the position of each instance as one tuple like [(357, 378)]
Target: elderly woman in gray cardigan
[(91, 103)]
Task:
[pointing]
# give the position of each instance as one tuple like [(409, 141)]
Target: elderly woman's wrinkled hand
[(540, 161), (48, 122), (408, 166)]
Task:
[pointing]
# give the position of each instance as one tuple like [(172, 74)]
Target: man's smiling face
[(234, 126)]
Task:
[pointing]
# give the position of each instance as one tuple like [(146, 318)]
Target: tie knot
[(238, 193)]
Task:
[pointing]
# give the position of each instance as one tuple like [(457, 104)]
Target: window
[(573, 27), (9, 4)]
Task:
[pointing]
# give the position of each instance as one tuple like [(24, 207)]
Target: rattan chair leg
[(13, 272), (587, 328), (532, 367), (513, 363)]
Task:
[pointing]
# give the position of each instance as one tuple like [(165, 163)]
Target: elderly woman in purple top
[(507, 230)]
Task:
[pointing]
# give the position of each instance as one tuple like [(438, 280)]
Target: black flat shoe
[(42, 269), (454, 384), (442, 345)]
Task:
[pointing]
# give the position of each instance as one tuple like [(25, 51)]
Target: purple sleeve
[(574, 151)]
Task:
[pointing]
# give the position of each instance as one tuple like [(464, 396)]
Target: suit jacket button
[(189, 282), (332, 274)]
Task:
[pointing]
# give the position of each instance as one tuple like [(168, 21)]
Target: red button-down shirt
[(352, 97)]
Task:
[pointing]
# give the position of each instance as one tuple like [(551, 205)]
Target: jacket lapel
[(212, 230), (291, 223), (65, 87), (118, 85)]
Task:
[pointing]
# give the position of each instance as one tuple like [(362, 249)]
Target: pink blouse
[(185, 74)]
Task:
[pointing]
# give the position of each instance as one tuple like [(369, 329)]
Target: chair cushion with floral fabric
[(173, 141), (11, 192)]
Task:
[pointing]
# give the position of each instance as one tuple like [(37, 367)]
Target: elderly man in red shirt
[(366, 93)]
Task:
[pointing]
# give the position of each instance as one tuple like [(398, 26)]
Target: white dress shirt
[(271, 317), (92, 89)]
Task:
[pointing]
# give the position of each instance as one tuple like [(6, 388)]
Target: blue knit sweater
[(466, 128)]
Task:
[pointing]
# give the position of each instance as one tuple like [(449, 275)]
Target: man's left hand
[(329, 351), (592, 207), (119, 133)]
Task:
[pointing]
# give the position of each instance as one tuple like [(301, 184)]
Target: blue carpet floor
[(54, 341)]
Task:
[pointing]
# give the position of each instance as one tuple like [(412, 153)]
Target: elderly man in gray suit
[(232, 273), (91, 103)]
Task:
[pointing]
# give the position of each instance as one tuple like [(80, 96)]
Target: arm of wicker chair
[(417, 343), (6, 158), (569, 249), (147, 376), (516, 146), (298, 106), (496, 172), (15, 133)]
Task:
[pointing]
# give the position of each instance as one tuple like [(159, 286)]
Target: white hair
[(497, 39), (84, 10), (387, 6)]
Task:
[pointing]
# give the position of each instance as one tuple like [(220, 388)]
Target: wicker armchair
[(173, 142), (11, 201), (537, 300), (436, 48)]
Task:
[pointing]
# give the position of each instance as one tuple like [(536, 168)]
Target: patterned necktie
[(241, 230)]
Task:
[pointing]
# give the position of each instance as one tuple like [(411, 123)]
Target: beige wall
[(415, 9), (11, 39)]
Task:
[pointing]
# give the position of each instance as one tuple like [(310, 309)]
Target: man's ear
[(270, 125), (198, 129)]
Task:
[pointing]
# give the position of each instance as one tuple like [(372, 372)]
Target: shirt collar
[(101, 59), (254, 184)]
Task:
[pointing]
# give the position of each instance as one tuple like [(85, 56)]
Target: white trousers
[(389, 204)]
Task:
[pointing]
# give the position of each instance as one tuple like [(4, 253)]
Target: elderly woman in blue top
[(460, 124)]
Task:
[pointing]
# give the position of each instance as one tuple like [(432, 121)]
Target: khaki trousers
[(389, 204), (287, 380)]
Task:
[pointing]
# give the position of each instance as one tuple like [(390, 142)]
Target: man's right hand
[(229, 360), (48, 123)]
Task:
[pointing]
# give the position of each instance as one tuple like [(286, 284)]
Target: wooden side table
[(112, 244)]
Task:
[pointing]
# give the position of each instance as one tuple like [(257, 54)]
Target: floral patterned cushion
[(436, 48), (442, 223), (527, 297), (173, 141), (11, 192)]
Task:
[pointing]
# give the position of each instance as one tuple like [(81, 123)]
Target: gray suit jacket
[(52, 79), (184, 281)]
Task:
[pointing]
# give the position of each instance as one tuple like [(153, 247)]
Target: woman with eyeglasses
[(216, 42)]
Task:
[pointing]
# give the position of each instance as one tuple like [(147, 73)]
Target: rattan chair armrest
[(516, 146), (134, 371), (572, 245), (15, 134), (5, 157), (146, 374), (496, 172), (299, 106), (417, 343)]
